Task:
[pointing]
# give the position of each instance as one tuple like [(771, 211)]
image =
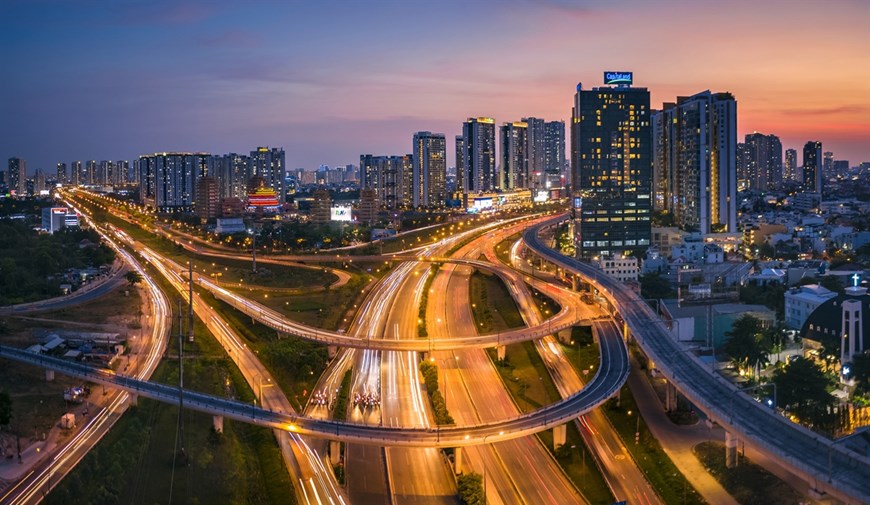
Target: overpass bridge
[(567, 317), (612, 373), (827, 467)]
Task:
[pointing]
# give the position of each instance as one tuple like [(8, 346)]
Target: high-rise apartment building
[(270, 164), (554, 151), (390, 176), (233, 172), (39, 182), (17, 176), (611, 164), (429, 175), (828, 165), (207, 198), (168, 180), (75, 173), (764, 155), (61, 173), (480, 174), (123, 175), (812, 180), (105, 173), (790, 166), (536, 148), (694, 162), (461, 169), (90, 175), (742, 156), (515, 145)]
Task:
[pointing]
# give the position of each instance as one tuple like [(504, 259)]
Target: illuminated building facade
[(479, 170), (514, 155), (789, 172), (813, 167), (390, 177), (611, 164), (168, 180), (764, 161), (429, 173), (694, 162), (270, 164)]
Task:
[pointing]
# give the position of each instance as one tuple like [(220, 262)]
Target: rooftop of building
[(825, 323)]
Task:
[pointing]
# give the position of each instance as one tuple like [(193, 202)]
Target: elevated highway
[(612, 373), (564, 319), (827, 467)]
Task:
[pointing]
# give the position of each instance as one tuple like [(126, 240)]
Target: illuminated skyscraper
[(694, 167), (536, 148), (479, 169), (461, 169), (764, 154), (90, 174), (17, 176), (611, 164), (828, 165), (270, 164), (554, 151), (76, 173), (789, 172), (813, 167), (61, 173), (515, 171), (429, 176)]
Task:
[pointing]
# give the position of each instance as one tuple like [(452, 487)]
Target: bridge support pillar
[(559, 436), (457, 460), (331, 351), (334, 452), (49, 375), (218, 423), (134, 399), (626, 333), (500, 352), (730, 450), (670, 397), (573, 283)]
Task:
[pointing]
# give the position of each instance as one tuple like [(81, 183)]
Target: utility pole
[(190, 301), (181, 381), (254, 251)]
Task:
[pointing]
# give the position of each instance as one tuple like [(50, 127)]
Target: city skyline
[(314, 84)]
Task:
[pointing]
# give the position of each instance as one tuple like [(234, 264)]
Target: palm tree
[(748, 344)]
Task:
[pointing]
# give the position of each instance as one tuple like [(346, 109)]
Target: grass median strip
[(439, 407)]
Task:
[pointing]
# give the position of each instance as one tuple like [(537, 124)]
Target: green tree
[(766, 251), (860, 372), (654, 286), (470, 488), (5, 408), (133, 277), (802, 389), (748, 345), (833, 283)]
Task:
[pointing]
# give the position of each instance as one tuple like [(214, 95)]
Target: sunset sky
[(331, 80)]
